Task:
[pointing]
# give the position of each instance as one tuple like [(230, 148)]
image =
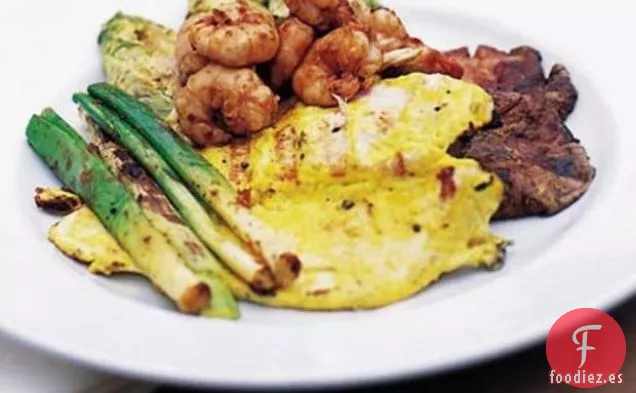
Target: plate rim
[(530, 337)]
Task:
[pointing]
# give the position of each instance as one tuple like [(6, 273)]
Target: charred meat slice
[(528, 145)]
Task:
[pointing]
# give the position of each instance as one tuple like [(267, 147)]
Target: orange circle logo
[(586, 348)]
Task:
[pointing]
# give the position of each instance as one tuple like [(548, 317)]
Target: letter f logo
[(583, 344)]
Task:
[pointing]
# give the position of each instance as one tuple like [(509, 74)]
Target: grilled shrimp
[(389, 29), (322, 14), (296, 39), (392, 35), (218, 102), (188, 60), (235, 34), (340, 64), (430, 61)]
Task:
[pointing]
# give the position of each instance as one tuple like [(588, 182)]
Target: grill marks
[(147, 192), (544, 167), (152, 197), (56, 201), (287, 153)]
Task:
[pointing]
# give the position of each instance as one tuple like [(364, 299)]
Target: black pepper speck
[(348, 205), (485, 185)]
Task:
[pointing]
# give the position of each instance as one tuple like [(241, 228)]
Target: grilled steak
[(528, 146)]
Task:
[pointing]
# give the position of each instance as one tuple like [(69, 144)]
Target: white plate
[(580, 258)]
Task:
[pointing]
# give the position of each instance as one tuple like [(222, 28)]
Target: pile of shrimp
[(234, 61)]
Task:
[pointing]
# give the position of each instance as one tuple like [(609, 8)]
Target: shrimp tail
[(340, 64), (432, 61), (218, 103), (296, 40)]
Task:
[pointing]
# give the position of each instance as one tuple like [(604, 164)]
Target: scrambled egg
[(82, 237), (380, 208)]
